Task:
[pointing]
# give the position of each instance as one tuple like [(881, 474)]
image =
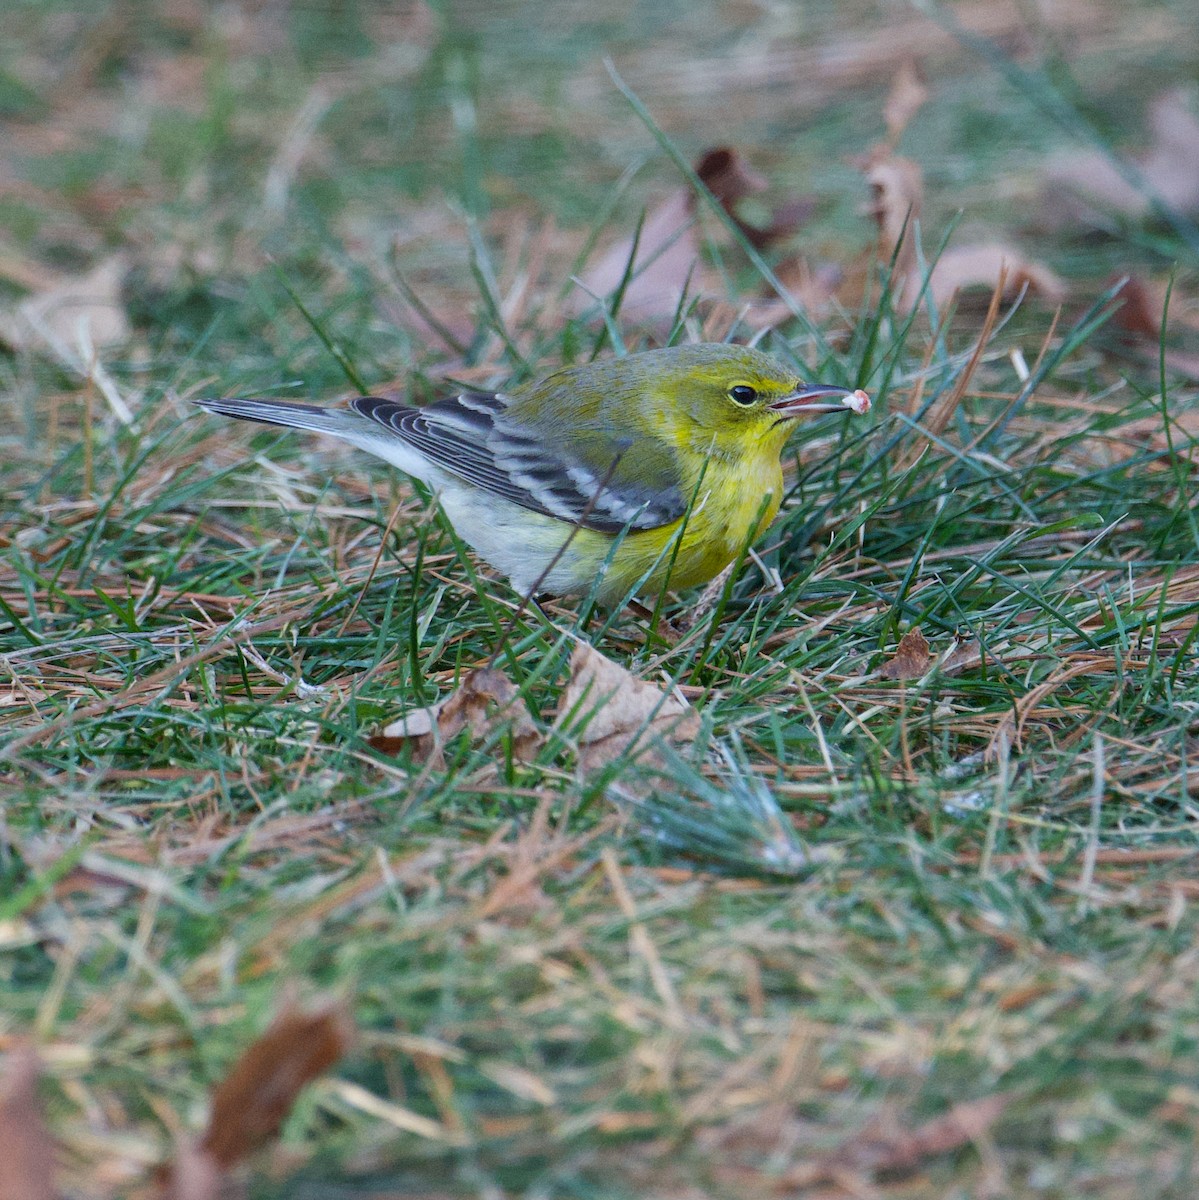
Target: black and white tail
[(340, 422), (355, 427)]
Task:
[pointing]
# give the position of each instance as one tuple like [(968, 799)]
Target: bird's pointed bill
[(810, 398)]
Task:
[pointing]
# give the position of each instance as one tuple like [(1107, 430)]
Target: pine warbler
[(588, 478)]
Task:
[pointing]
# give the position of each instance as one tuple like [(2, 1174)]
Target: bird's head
[(733, 398)]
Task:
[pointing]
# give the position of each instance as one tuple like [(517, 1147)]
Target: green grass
[(201, 624)]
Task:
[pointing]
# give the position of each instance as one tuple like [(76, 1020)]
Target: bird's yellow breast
[(734, 502)]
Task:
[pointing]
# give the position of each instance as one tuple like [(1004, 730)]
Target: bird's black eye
[(743, 394)]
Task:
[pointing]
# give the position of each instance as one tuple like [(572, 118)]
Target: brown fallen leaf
[(669, 258), (989, 265), (253, 1100), (1085, 182), (888, 1147), (911, 659), (486, 699), (1141, 317), (907, 96), (965, 654), (897, 185), (897, 197), (726, 174), (611, 712), (667, 261), (69, 310), (26, 1149), (1142, 307)]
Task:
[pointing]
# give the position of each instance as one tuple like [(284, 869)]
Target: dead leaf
[(26, 1149), (726, 174), (85, 309), (911, 660), (668, 258), (907, 96), (965, 654), (897, 186), (613, 711), (898, 197), (1142, 308), (888, 1147), (1170, 168), (485, 700), (729, 178), (253, 1100), (987, 265), (1140, 317)]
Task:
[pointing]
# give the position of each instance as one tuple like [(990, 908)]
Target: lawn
[(884, 884)]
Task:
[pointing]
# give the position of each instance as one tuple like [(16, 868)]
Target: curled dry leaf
[(485, 700), (26, 1149), (888, 1147), (668, 256), (907, 96), (1141, 317), (1170, 168), (1142, 308), (253, 1100), (965, 654), (911, 659), (667, 261), (726, 174), (614, 712), (898, 197), (990, 265), (70, 309)]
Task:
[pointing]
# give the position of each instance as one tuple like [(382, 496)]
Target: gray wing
[(468, 436)]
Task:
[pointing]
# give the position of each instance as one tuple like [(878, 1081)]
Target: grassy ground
[(986, 984)]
